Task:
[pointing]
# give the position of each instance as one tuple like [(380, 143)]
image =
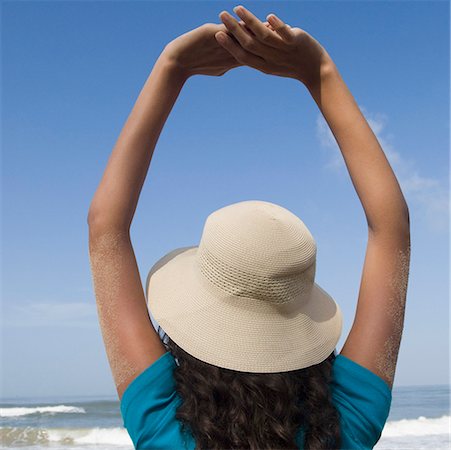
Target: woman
[(274, 380)]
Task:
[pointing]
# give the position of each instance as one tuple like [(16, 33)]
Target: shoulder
[(362, 398), (150, 400)]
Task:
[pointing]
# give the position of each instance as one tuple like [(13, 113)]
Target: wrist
[(327, 70), (173, 67)]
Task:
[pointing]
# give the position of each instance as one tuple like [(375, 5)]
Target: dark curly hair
[(228, 409)]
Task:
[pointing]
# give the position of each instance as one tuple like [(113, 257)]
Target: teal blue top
[(149, 404)]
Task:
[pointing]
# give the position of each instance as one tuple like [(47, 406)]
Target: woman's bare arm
[(287, 51), (371, 174), (131, 342), (375, 335), (116, 198)]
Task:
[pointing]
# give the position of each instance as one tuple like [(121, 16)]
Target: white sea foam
[(112, 436), (424, 433), (422, 426), (25, 411), (12, 436)]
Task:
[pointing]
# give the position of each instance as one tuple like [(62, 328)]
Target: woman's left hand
[(197, 52)]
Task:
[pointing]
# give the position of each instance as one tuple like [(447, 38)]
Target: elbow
[(398, 223), (93, 224), (93, 218), (100, 223), (90, 218), (405, 219)]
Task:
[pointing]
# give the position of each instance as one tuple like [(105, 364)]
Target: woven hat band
[(276, 288)]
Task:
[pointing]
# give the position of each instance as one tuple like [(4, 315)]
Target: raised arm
[(131, 342), (375, 336)]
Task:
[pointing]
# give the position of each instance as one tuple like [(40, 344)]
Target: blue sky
[(71, 74)]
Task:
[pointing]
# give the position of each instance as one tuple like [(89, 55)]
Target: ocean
[(419, 419)]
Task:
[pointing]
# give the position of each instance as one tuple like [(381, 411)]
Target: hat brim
[(234, 332)]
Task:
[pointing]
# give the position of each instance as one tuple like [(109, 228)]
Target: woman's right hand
[(277, 49)]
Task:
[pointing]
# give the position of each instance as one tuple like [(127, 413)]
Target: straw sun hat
[(245, 298)]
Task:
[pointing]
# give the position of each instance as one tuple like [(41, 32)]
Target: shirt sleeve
[(363, 398), (150, 400)]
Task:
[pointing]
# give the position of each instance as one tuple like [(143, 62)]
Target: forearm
[(371, 174), (116, 197)]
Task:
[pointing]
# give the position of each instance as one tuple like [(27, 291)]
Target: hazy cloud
[(65, 314)]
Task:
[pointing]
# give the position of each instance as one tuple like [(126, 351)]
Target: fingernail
[(238, 9)]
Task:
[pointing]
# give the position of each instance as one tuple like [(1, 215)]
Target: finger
[(246, 41), (266, 24), (240, 54), (257, 27), (224, 28), (281, 28), (245, 28)]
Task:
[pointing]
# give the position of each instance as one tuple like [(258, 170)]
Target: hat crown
[(260, 250)]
